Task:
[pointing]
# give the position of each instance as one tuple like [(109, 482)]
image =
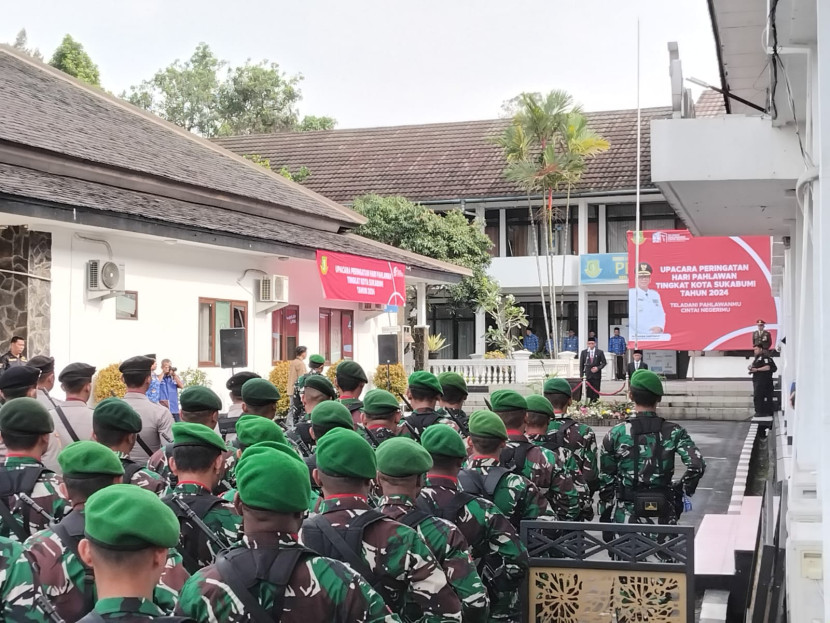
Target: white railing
[(478, 371), (539, 369)]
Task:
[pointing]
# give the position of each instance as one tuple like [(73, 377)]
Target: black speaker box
[(387, 349), (232, 348)]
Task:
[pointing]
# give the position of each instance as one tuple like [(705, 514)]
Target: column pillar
[(583, 227), (603, 236), (481, 327), (502, 232), (582, 321), (421, 303)]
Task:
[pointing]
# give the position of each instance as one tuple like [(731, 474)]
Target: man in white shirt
[(649, 318), (637, 364)]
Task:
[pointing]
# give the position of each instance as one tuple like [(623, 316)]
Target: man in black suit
[(637, 364), (591, 363)]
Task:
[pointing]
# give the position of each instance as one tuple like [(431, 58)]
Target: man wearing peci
[(637, 364), (591, 362)]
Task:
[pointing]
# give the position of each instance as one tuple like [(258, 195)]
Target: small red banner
[(354, 278)]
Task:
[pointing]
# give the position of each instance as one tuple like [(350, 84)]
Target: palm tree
[(547, 147)]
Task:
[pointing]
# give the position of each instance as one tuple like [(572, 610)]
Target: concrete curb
[(713, 608), (742, 472)]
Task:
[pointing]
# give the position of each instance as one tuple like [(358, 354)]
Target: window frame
[(325, 340), (233, 303), (284, 335)]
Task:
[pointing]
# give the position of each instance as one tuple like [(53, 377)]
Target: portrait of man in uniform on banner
[(647, 316)]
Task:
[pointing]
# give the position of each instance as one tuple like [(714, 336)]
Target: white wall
[(169, 279)]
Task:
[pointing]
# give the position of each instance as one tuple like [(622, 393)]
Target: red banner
[(362, 279), (701, 293)]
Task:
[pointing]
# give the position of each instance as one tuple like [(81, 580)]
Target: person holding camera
[(169, 386)]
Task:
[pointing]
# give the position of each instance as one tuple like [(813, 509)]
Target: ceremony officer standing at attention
[(637, 363), (761, 337), (591, 362), (156, 421)]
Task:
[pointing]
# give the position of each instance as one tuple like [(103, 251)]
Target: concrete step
[(732, 414)]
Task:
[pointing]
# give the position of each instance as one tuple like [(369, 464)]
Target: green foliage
[(249, 99), (436, 342), (397, 380), (21, 44), (302, 174), (195, 376), (72, 59), (494, 354), (508, 317), (108, 383), (279, 377)]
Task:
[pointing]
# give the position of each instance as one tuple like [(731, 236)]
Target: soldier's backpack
[(70, 531), (13, 482), (243, 568), (417, 423), (557, 440), (345, 543), (94, 617), (452, 512), (193, 542), (514, 457), (650, 500), (471, 481), (131, 468)]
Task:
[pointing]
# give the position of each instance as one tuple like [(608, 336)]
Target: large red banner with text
[(362, 279), (698, 293)]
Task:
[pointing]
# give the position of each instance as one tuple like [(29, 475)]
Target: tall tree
[(21, 43), (312, 123), (71, 58)]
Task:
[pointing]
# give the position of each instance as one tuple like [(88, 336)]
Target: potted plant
[(435, 344)]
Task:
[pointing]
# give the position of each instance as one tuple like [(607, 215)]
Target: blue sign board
[(603, 268)]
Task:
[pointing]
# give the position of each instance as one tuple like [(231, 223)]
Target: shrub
[(279, 377), (332, 369), (397, 378), (494, 354), (195, 376), (108, 383)]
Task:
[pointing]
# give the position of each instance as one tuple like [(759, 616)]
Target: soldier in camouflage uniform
[(381, 414), (564, 488), (20, 592), (497, 551), (317, 390), (350, 379), (87, 467), (565, 431), (422, 393), (115, 424), (198, 462), (128, 533), (454, 393), (515, 496), (26, 427), (199, 405), (391, 556), (269, 573), (402, 464), (636, 480)]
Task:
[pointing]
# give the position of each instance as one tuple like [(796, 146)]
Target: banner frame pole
[(637, 206)]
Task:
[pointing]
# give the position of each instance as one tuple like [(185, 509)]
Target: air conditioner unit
[(273, 289), (372, 307), (104, 278)]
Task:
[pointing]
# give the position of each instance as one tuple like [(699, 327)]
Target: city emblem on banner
[(638, 237), (324, 264), (593, 269)]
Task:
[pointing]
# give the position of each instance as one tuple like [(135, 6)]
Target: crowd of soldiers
[(353, 512)]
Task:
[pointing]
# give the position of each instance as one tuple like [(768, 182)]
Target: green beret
[(402, 456), (557, 385), (321, 384), (425, 380), (648, 380), (251, 429), (128, 518), (380, 401), (487, 424), (259, 468), (191, 434), (342, 452), (443, 440), (259, 392), (274, 445), (331, 412), (317, 360), (199, 398), (25, 416), (84, 459), (507, 400), (349, 369), (539, 404), (454, 380), (116, 414)]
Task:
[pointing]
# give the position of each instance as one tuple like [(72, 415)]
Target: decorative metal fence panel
[(585, 573)]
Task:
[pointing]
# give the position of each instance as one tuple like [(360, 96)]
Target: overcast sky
[(387, 62)]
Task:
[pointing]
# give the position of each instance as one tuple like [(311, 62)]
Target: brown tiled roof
[(441, 160), (45, 109), (710, 104)]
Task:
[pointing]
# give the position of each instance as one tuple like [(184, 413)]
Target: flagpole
[(637, 208)]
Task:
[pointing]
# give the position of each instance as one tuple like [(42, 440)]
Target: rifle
[(406, 403), (48, 608), (36, 507), (372, 439), (303, 446), (464, 429), (214, 538), (489, 406)]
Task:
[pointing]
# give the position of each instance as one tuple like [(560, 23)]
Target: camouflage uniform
[(582, 441), (300, 436), (619, 472), (414, 424), (125, 610), (320, 589), (397, 554), (451, 550), (159, 463), (46, 494), (144, 478), (457, 417), (490, 536), (515, 496), (62, 574), (18, 586), (375, 434), (222, 519)]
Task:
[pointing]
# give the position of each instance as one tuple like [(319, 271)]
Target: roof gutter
[(719, 50), (587, 195)]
